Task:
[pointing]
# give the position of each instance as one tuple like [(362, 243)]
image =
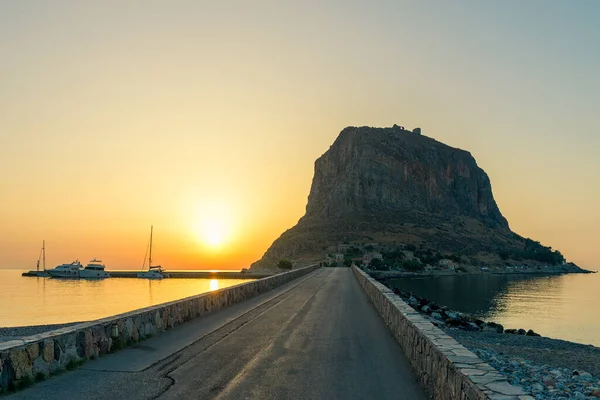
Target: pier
[(198, 274)]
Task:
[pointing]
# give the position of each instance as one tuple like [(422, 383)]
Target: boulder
[(471, 326), (549, 382), (452, 315), (586, 376), (492, 327), (521, 332), (511, 331), (456, 323), (426, 309), (532, 333), (537, 388), (437, 316)]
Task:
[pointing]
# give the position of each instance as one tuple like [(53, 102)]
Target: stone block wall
[(26, 359), (445, 368)]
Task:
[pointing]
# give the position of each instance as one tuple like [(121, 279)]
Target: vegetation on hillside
[(534, 250), (284, 264)]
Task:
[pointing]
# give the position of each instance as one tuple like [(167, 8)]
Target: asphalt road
[(319, 339)]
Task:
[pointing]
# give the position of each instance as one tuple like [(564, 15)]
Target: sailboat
[(154, 272), (42, 257)]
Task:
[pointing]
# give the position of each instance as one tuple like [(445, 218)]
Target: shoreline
[(20, 332), (431, 274), (544, 367)]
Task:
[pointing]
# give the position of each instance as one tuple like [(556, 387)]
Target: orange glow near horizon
[(205, 120)]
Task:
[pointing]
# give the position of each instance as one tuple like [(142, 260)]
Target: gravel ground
[(548, 369), (545, 368), (539, 350), (18, 332)]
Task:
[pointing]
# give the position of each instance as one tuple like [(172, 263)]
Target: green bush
[(413, 265), (72, 364), (284, 264), (25, 382)]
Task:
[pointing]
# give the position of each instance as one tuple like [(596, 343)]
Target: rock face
[(391, 185), (374, 170)]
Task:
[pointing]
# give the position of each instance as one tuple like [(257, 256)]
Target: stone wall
[(22, 361), (445, 368)]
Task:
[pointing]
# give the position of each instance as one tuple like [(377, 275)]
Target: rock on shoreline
[(442, 316), (546, 368)]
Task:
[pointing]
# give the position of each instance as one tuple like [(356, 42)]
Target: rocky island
[(396, 200)]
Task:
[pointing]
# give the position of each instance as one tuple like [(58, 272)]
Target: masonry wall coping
[(478, 380)]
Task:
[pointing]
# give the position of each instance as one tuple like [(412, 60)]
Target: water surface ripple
[(559, 306)]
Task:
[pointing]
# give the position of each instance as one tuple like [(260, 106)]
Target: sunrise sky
[(205, 118)]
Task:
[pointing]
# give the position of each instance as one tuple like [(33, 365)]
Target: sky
[(204, 119)]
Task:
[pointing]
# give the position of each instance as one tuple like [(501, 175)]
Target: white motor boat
[(94, 270), (70, 271), (154, 272)]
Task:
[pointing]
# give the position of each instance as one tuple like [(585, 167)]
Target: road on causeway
[(317, 337)]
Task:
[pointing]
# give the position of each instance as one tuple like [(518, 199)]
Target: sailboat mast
[(44, 252), (150, 257)]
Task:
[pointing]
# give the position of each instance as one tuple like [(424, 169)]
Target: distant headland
[(394, 199)]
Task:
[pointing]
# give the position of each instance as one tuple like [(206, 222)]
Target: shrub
[(25, 382), (284, 264), (377, 264), (413, 265)]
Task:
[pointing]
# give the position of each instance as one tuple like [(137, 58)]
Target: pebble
[(543, 382)]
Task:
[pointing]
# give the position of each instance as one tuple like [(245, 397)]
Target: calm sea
[(39, 301), (562, 307)]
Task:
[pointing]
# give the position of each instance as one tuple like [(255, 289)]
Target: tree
[(284, 264), (348, 262), (376, 264), (412, 265)]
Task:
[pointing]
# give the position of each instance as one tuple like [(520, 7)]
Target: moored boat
[(69, 271), (43, 273), (94, 270), (154, 272)]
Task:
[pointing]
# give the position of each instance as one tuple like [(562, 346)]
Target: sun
[(213, 232), (212, 226)]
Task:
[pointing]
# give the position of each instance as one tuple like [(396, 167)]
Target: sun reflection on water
[(59, 301)]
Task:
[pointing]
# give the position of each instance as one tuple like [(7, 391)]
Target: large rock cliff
[(393, 186), (390, 170)]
